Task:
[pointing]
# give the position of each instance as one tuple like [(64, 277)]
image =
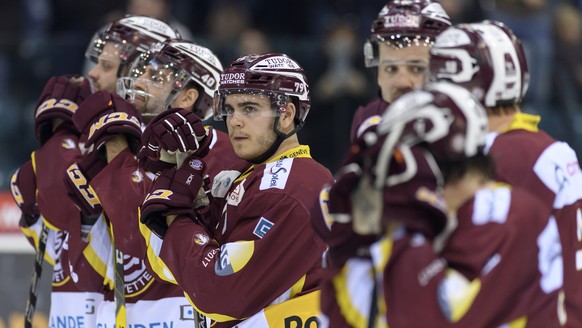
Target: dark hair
[(456, 170)]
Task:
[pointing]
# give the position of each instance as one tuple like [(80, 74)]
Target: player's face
[(401, 70), (249, 119), (104, 73), (155, 86)]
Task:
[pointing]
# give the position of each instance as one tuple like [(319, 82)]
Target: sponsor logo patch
[(235, 197), (262, 227), (276, 174), (196, 164)]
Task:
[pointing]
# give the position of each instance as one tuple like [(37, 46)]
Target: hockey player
[(452, 238), (114, 48), (258, 263), (38, 190), (75, 295), (178, 73), (398, 46), (181, 76), (489, 60)]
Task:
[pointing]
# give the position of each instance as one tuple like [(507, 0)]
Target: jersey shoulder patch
[(276, 173)]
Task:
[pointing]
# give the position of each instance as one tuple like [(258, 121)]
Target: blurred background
[(42, 38)]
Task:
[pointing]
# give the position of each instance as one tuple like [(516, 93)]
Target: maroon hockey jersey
[(531, 159), (121, 188), (501, 266), (50, 163), (263, 255)]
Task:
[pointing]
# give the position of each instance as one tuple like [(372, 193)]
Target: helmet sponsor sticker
[(402, 21), (276, 62)]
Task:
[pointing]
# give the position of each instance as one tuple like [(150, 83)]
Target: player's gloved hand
[(174, 192), (176, 130), (77, 180), (104, 115), (23, 188), (147, 162), (347, 179), (60, 99)]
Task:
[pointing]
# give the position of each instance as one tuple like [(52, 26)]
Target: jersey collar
[(525, 121), (301, 151)]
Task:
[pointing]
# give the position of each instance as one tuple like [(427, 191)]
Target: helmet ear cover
[(486, 58)]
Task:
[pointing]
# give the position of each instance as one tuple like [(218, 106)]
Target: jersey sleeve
[(270, 268)]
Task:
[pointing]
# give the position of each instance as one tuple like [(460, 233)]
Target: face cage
[(157, 95), (277, 100), (397, 41)]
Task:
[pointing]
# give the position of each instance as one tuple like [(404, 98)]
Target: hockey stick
[(33, 293), (119, 290)]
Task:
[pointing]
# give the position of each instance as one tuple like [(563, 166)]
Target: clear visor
[(248, 103), (152, 84), (397, 41), (106, 47)]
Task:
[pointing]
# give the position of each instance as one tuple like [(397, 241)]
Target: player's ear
[(287, 117), (186, 99)]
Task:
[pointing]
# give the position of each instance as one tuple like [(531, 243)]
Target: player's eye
[(107, 66), (390, 69), (249, 110), (228, 110), (418, 69)]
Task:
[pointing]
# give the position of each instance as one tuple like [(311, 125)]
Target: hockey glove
[(77, 180), (346, 181), (174, 192), (60, 99), (23, 187), (147, 162), (104, 115), (176, 130)]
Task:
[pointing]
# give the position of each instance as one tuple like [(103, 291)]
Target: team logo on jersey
[(262, 227), (276, 174), (59, 276), (136, 176), (68, 144), (137, 278), (201, 239)]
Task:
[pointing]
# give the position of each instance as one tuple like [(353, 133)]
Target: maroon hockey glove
[(23, 187), (77, 180), (147, 163), (60, 99), (346, 181), (104, 115), (176, 130), (174, 192)]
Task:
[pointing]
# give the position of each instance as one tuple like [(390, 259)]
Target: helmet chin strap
[(269, 153), (275, 146)]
